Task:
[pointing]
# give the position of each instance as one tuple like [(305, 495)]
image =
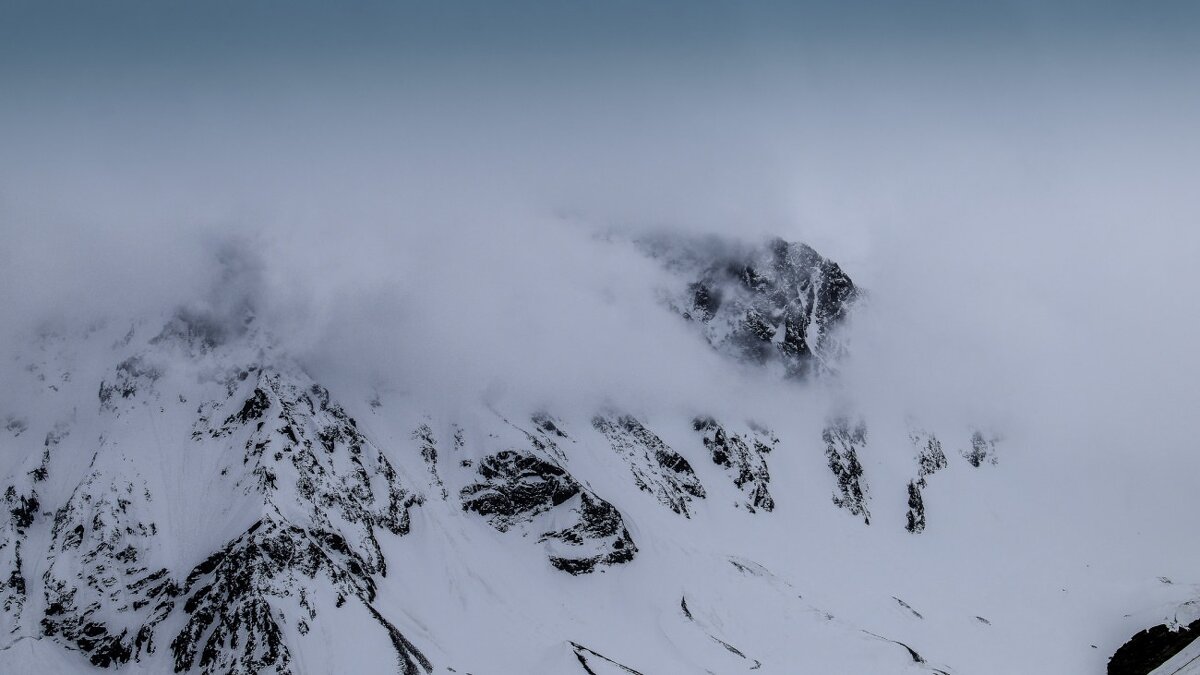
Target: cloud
[(1025, 231)]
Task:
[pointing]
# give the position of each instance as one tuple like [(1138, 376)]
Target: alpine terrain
[(182, 494)]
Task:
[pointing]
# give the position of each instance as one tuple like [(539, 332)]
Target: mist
[(458, 222)]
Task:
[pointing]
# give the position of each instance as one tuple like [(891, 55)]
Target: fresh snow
[(371, 531)]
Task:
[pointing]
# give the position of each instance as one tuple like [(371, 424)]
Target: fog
[(1019, 202)]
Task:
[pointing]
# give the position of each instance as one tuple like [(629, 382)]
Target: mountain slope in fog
[(183, 495)]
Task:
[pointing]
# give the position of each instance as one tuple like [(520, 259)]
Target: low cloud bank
[(1027, 241)]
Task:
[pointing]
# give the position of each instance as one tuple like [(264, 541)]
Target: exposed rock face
[(324, 490), (106, 589), (20, 508), (544, 436), (516, 489), (327, 490), (423, 435), (742, 457), (930, 459), (915, 517), (228, 598), (778, 303), (842, 444), (132, 375), (982, 450), (598, 537), (656, 468), (292, 436), (238, 597), (1151, 648), (548, 426), (930, 456)]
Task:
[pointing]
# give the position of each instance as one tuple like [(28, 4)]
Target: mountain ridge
[(210, 507)]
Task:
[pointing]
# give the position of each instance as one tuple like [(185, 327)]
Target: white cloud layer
[(1027, 237)]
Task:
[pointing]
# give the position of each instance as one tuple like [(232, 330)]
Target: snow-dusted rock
[(517, 490), (776, 303)]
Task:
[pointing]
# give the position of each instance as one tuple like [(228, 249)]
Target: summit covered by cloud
[(531, 336)]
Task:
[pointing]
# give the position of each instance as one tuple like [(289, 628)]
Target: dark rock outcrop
[(743, 457), (307, 459), (982, 450), (1151, 648), (20, 508), (231, 599), (132, 375), (514, 488), (778, 303), (104, 592), (303, 452), (842, 444), (930, 459), (423, 436), (916, 508), (656, 468)]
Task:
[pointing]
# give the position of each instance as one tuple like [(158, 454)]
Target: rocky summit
[(183, 494)]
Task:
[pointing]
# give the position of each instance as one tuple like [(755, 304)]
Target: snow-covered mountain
[(182, 494)]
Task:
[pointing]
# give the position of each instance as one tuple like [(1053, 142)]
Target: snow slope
[(184, 495)]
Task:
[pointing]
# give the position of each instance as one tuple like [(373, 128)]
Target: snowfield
[(187, 496)]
